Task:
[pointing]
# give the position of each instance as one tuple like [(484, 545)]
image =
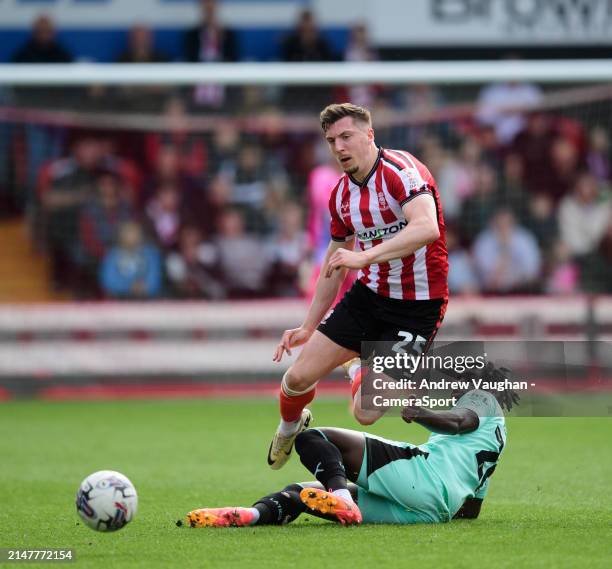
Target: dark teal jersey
[(464, 463)]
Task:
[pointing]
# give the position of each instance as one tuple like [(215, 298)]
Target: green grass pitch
[(548, 506)]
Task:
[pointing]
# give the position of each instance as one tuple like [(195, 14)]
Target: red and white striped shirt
[(372, 210)]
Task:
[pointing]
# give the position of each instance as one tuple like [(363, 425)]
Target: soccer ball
[(106, 500)]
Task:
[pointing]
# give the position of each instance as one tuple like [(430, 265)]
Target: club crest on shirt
[(345, 209)]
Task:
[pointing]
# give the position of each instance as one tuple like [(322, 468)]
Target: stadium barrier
[(211, 349)]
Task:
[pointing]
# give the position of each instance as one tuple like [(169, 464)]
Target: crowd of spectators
[(232, 213), (114, 226)]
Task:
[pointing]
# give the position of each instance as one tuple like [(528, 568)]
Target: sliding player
[(387, 201), (392, 482)]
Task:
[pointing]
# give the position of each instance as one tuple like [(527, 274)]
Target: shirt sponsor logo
[(381, 232)]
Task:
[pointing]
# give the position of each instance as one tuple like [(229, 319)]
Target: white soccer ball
[(106, 500)]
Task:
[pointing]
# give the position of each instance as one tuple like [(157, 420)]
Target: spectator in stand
[(99, 222), (218, 198), (534, 145), (433, 153), (419, 101), (541, 220), (565, 165), (457, 177), (210, 42), (595, 273), (42, 47), (583, 217), (491, 151), (306, 44), (191, 269), (132, 269), (563, 274), (321, 181), (253, 99), (503, 105), (224, 148), (278, 145), (287, 252), (141, 49), (190, 146), (512, 189), (250, 182), (462, 279), (167, 170), (507, 256), (66, 185), (164, 216), (359, 49), (114, 160), (243, 263), (478, 208), (598, 155), (602, 275), (43, 142)]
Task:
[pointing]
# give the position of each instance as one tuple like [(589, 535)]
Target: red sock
[(357, 380), (291, 407)]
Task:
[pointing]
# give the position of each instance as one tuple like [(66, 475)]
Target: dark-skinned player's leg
[(274, 509), (351, 445), (285, 506), (334, 456)]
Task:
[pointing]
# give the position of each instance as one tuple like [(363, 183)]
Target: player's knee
[(292, 488), (297, 380), (306, 438), (363, 417)]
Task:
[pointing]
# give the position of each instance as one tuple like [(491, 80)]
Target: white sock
[(344, 494), (255, 515), (353, 369), (287, 428)]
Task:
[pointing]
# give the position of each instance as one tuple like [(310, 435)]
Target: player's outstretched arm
[(325, 293), (454, 422)]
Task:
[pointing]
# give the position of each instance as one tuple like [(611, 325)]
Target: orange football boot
[(347, 513), (218, 518)]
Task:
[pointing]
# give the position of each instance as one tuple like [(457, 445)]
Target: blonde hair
[(336, 111)]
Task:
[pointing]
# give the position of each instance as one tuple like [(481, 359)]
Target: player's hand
[(345, 258), (291, 339), (411, 412)]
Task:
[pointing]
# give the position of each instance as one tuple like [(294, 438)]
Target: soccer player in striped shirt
[(386, 202)]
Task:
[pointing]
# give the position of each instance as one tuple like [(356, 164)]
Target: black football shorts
[(364, 316)]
